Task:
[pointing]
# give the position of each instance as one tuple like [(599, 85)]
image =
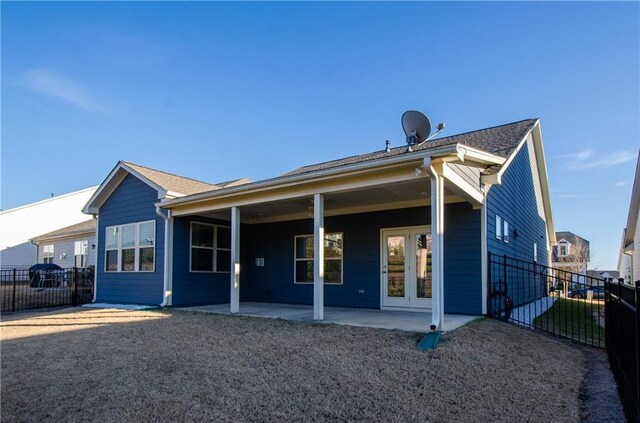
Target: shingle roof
[(499, 140), (77, 229), (175, 183)]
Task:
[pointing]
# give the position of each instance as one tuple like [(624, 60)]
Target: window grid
[(136, 246), (214, 248), (307, 259)]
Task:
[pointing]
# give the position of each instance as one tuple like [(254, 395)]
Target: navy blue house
[(396, 230)]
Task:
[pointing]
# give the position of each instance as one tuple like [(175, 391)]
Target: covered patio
[(383, 319)]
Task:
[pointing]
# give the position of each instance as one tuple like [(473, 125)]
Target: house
[(20, 224), (395, 230), (629, 256), (68, 247), (571, 253)]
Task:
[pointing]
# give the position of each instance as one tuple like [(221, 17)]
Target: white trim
[(498, 233), (473, 193), (505, 231), (318, 257), (167, 279), (234, 302), (213, 249), (437, 243), (315, 176), (95, 267), (296, 259), (484, 257), (412, 303), (136, 247), (112, 181)]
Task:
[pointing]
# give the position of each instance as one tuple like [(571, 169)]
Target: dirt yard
[(110, 365)]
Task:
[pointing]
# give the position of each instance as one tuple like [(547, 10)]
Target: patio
[(382, 319)]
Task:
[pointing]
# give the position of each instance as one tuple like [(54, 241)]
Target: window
[(535, 251), (129, 248), (80, 249), (563, 249), (498, 227), (210, 248), (505, 232), (333, 248), (47, 256)]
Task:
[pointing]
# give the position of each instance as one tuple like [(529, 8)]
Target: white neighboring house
[(67, 247), (629, 257), (20, 224)]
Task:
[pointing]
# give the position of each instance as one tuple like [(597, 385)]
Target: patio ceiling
[(411, 193)]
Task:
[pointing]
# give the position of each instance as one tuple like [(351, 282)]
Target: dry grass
[(107, 365)]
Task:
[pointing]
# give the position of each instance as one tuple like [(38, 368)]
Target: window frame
[(566, 246), (45, 254), (535, 252), (296, 259), (505, 231), (136, 247), (84, 246), (498, 227), (214, 249)]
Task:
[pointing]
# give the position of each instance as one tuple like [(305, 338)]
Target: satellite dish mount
[(417, 128)]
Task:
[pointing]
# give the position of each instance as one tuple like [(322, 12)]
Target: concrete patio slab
[(383, 319)]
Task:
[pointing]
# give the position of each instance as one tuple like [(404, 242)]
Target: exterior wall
[(196, 288), (67, 246), (132, 201), (635, 262), (20, 224), (518, 201), (361, 261)]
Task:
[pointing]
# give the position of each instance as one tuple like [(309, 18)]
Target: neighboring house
[(571, 253), (70, 246), (398, 229), (629, 257), (20, 224)]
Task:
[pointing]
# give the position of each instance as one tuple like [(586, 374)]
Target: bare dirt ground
[(110, 365)]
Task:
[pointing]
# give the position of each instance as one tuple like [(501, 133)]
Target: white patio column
[(318, 257), (437, 244), (235, 261)]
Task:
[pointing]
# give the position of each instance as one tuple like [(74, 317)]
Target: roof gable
[(167, 185)]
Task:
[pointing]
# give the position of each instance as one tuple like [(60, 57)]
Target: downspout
[(37, 248), (167, 288), (437, 239)]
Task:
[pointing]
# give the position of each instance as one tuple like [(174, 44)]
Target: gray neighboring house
[(67, 247)]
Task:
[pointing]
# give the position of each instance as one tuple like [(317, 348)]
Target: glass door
[(394, 269), (406, 268)]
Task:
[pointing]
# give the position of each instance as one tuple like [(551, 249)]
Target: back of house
[(403, 229)]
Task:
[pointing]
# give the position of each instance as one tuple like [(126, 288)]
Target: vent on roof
[(417, 128)]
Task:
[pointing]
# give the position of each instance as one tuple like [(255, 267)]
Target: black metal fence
[(562, 302), (24, 289), (622, 313)]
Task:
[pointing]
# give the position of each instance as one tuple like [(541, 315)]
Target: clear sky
[(217, 91)]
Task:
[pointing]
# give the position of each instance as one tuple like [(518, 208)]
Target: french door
[(406, 267)]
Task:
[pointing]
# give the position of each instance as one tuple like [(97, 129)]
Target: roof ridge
[(402, 146), (169, 173)]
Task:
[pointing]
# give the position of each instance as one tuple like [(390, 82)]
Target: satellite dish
[(416, 126)]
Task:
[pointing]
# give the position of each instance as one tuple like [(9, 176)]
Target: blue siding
[(132, 201), (515, 201), (194, 288), (361, 265)]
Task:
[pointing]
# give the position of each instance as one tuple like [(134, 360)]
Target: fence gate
[(558, 301), (27, 289)]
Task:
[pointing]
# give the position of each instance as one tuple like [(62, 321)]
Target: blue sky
[(216, 91)]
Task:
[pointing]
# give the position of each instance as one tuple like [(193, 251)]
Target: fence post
[(13, 301), (74, 286)]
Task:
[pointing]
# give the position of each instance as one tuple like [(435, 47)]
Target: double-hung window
[(210, 247), (47, 254), (333, 251), (80, 249), (498, 227), (505, 232), (131, 247)]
